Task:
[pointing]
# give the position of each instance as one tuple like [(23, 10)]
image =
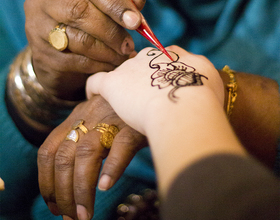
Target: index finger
[(84, 15), (45, 161)]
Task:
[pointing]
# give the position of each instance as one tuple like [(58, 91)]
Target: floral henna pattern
[(175, 74)]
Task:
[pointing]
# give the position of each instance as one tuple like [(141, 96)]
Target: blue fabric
[(243, 34)]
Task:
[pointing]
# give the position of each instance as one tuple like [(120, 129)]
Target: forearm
[(201, 130), (255, 117)]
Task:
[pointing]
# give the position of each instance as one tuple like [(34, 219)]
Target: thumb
[(95, 84), (124, 12)]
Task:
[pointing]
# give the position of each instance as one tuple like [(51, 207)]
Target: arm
[(60, 75), (255, 117), (185, 133), (196, 109)]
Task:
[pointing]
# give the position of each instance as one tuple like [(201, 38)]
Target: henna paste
[(175, 74)]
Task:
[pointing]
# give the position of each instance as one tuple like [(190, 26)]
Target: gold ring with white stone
[(73, 135), (58, 38)]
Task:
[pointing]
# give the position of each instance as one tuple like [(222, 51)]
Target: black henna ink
[(175, 73)]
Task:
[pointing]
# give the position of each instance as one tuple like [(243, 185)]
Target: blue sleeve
[(12, 33)]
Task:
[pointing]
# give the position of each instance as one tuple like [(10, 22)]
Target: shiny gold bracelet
[(30, 98), (35, 89), (22, 100), (231, 88)]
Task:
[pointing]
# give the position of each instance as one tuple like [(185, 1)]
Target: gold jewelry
[(79, 125), (232, 88), (58, 38), (30, 98), (108, 134), (73, 135)]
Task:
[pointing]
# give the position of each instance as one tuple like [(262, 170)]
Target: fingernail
[(82, 213), (104, 182), (127, 46), (53, 208), (131, 19)]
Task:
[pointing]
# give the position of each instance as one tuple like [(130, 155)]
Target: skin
[(184, 133), (56, 158), (63, 74), (256, 115), (92, 48), (69, 171), (197, 114)]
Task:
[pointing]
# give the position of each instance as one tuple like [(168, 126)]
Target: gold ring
[(80, 124), (73, 135), (108, 134), (58, 38)]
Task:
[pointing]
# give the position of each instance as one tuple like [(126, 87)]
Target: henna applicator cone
[(147, 32)]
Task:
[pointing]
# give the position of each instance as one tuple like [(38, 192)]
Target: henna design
[(175, 73)]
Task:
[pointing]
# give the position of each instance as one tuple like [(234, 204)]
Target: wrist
[(184, 132), (255, 116), (28, 102)]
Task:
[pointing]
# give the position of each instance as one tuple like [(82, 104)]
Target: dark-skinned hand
[(97, 38), (69, 171)]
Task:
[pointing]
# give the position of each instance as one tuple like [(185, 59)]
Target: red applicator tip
[(147, 32)]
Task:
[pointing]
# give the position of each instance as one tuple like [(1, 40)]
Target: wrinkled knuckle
[(85, 149), (113, 33), (129, 140), (81, 191), (114, 8), (78, 9), (85, 39), (113, 163), (63, 160), (45, 155)]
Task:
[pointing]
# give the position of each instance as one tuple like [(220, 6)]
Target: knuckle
[(113, 163), (81, 190), (128, 139), (114, 8), (63, 160), (45, 155), (78, 9), (86, 149), (113, 33), (85, 39)]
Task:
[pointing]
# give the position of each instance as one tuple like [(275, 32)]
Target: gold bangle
[(29, 97), (231, 88), (36, 91), (22, 100)]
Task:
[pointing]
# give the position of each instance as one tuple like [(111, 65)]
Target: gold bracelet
[(35, 89), (231, 88), (30, 98)]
